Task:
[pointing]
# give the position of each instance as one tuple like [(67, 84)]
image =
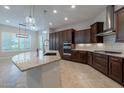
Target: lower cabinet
[(90, 58), (112, 67), (79, 56), (100, 62), (115, 68), (123, 73)]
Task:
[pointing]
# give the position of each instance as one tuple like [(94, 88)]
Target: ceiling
[(18, 13)]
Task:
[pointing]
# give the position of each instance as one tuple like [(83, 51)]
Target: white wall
[(5, 28)]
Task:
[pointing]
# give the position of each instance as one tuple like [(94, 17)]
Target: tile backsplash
[(109, 44)]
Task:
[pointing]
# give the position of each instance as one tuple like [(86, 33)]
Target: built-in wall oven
[(67, 47)]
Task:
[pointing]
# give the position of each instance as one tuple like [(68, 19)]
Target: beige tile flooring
[(73, 75)]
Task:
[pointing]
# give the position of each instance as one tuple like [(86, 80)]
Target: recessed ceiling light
[(65, 18), (7, 21), (50, 23), (73, 6), (55, 11), (7, 7)]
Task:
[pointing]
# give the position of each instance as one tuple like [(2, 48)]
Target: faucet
[(44, 45)]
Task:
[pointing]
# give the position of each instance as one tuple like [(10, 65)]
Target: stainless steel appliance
[(109, 22), (67, 47)]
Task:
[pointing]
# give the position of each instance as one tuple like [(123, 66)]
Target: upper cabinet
[(120, 25), (90, 35), (82, 36), (58, 38), (68, 35), (95, 29)]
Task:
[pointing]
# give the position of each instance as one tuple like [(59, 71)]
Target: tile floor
[(73, 75)]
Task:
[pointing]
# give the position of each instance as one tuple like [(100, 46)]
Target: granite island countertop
[(29, 60)]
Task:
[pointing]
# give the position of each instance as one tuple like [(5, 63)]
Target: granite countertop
[(28, 60), (109, 54)]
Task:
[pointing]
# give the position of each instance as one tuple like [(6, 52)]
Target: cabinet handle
[(114, 59), (110, 68)]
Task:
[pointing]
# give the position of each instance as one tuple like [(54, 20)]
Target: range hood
[(109, 22)]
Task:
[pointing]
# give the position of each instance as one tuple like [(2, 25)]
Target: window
[(11, 42)]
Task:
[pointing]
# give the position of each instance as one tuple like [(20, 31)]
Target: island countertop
[(29, 60)]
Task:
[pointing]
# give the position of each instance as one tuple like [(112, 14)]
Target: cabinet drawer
[(117, 59), (100, 62), (100, 56)]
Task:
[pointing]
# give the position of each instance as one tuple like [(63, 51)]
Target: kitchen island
[(42, 70)]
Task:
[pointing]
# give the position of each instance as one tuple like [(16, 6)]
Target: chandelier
[(30, 20)]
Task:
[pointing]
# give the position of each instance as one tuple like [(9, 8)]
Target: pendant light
[(45, 30), (30, 19), (20, 34)]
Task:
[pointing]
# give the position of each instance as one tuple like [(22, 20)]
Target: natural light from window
[(11, 42)]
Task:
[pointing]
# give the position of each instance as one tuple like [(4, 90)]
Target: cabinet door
[(90, 58), (57, 40), (115, 68), (54, 41), (79, 56), (86, 36), (61, 43), (96, 28), (77, 37), (82, 36), (50, 39), (100, 62), (93, 34), (75, 55), (120, 25), (69, 36), (83, 56), (123, 73)]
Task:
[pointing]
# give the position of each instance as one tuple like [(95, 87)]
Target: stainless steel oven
[(67, 46)]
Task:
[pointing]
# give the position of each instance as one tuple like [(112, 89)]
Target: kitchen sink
[(50, 54)]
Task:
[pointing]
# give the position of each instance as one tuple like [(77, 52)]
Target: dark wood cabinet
[(100, 62), (95, 29), (120, 25), (82, 36), (90, 58), (57, 41), (115, 68), (50, 41), (58, 38), (123, 72), (79, 56)]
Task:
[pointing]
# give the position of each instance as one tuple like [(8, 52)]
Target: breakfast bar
[(41, 70)]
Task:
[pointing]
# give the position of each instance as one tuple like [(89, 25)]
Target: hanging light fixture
[(45, 23), (24, 34), (30, 19)]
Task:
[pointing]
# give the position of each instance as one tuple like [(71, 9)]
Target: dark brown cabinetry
[(79, 56), (50, 41), (100, 62), (58, 38), (123, 73), (90, 58), (52, 38), (115, 68), (82, 36), (95, 29), (120, 25)]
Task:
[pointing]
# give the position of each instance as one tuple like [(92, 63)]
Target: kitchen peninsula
[(42, 70)]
